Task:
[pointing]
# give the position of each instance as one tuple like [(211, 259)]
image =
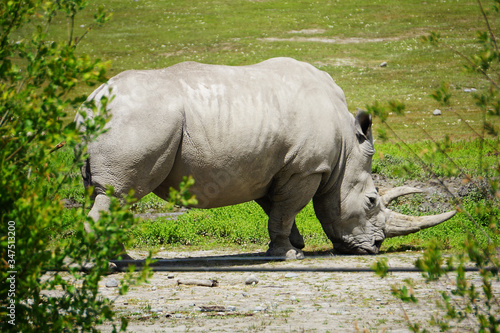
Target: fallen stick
[(198, 282)]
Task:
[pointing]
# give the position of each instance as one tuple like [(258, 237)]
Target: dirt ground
[(283, 301)]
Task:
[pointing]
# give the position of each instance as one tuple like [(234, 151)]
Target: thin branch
[(28, 143), (4, 117), (71, 28), (492, 35), (473, 65), (79, 39), (428, 169), (47, 26), (13, 21)]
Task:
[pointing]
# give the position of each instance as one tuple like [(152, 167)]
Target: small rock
[(293, 298), (112, 283), (436, 112), (244, 294), (291, 275), (125, 303), (170, 276), (259, 309), (155, 310), (470, 89), (252, 279), (384, 64), (231, 308), (154, 288), (178, 315)]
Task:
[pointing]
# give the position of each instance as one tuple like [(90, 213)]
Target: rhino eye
[(371, 201)]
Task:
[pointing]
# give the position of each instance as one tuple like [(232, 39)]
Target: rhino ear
[(363, 124)]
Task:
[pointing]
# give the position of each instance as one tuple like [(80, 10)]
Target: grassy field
[(349, 40)]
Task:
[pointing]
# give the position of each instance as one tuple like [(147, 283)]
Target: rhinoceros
[(278, 132)]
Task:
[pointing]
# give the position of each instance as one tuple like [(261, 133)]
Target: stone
[(384, 64), (259, 309), (436, 112), (112, 283), (252, 279), (291, 275)]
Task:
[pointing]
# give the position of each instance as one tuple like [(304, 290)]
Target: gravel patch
[(280, 301)]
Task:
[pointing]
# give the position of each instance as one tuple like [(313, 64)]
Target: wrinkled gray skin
[(277, 132)]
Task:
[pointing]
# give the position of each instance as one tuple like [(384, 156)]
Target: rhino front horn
[(399, 225)]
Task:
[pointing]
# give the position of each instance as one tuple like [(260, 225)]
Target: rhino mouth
[(366, 248)]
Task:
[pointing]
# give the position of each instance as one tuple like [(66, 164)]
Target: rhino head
[(355, 215)]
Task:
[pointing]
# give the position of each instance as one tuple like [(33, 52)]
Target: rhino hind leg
[(101, 203), (295, 237)]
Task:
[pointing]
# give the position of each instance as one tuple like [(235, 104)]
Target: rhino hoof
[(294, 254), (113, 268)]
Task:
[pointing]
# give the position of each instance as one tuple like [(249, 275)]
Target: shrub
[(469, 305), (37, 81)]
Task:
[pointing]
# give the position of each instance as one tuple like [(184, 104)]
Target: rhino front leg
[(286, 201), (295, 237)]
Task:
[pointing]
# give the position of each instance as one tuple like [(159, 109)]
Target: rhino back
[(246, 128)]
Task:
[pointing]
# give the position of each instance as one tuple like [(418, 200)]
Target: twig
[(198, 282), (492, 35), (424, 165)]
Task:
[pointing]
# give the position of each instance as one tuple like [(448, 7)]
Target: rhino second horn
[(388, 195), (399, 225)]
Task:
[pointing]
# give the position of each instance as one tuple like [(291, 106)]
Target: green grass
[(240, 225), (444, 158), (359, 35)]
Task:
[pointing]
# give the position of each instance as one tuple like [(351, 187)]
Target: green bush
[(469, 305), (38, 77)]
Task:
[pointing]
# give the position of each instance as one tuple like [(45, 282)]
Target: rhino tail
[(86, 174)]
